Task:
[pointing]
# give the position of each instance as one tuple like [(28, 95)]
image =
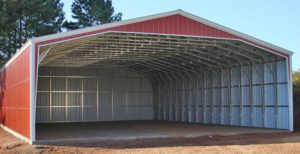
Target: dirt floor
[(124, 130), (246, 143)]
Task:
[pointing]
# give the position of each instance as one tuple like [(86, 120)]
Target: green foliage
[(23, 19), (296, 94), (296, 87), (91, 13)]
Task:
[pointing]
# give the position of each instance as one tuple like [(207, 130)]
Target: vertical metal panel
[(225, 97), (89, 113), (90, 99), (246, 96), (225, 120), (235, 94), (282, 94), (73, 84), (245, 75), (283, 115), (281, 71), (256, 74), (90, 84), (89, 94), (269, 72), (58, 71), (58, 84), (105, 106), (74, 114), (43, 114), (246, 119), (270, 117), (189, 98), (58, 113), (58, 99), (43, 99), (15, 94), (44, 84), (257, 114), (207, 113), (74, 99), (257, 97), (269, 95), (216, 115), (235, 116)]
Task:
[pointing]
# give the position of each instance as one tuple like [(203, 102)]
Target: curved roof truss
[(153, 53)]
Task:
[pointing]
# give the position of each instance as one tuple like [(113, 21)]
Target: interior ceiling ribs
[(151, 53)]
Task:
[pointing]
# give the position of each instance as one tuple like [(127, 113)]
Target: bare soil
[(246, 143)]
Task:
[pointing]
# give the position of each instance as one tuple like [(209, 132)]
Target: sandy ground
[(247, 143)]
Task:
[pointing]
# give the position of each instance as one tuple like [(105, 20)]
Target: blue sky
[(274, 21)]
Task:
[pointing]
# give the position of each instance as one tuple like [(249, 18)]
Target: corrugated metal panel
[(235, 96), (257, 74), (283, 115), (207, 115), (235, 116), (257, 95), (43, 98), (269, 95), (225, 96), (58, 113), (245, 75), (281, 71), (270, 121), (58, 84), (235, 73), (15, 94), (282, 94), (246, 116), (199, 115), (246, 96), (42, 114), (269, 72), (257, 117), (89, 114), (73, 114), (125, 96), (216, 115), (88, 94), (105, 109), (225, 116)]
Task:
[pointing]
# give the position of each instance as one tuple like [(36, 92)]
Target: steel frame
[(179, 67)]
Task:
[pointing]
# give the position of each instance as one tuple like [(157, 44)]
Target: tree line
[(21, 20), (296, 94)]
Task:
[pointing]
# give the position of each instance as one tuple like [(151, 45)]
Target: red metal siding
[(174, 24), (15, 94)]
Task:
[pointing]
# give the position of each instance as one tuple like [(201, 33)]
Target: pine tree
[(91, 13), (23, 19)]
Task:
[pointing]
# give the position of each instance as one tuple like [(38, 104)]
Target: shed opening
[(120, 76)]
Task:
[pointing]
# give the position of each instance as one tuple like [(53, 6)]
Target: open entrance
[(133, 77)]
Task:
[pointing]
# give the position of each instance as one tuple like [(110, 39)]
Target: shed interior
[(117, 76)]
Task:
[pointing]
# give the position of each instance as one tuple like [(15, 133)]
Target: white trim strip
[(14, 133), (44, 55), (16, 55), (291, 108), (32, 93)]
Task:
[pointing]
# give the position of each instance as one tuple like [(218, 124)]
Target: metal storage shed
[(171, 66)]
